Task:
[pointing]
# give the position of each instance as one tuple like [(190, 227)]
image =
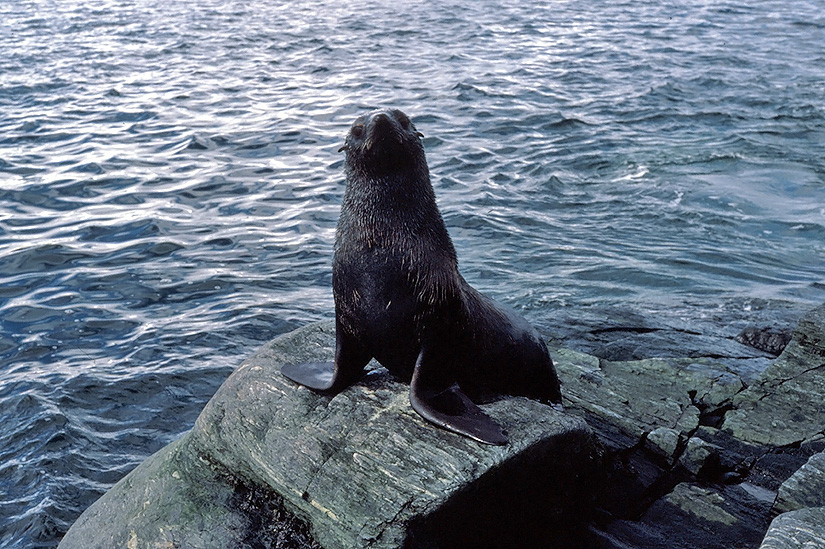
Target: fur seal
[(400, 298)]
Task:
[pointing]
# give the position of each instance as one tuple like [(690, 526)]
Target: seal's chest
[(384, 285)]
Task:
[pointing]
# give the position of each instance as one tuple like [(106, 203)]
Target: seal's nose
[(381, 119)]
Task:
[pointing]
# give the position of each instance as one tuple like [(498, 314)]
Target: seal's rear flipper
[(315, 375), (451, 409)]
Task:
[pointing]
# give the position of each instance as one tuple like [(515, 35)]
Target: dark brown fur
[(400, 298)]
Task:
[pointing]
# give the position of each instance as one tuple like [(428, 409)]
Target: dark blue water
[(170, 186)]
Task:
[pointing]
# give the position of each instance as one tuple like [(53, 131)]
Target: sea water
[(170, 183)]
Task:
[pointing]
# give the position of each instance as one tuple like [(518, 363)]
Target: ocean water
[(170, 184)]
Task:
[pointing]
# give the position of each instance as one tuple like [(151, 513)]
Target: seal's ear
[(419, 134), (343, 147)]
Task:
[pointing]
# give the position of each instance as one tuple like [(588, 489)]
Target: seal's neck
[(393, 209)]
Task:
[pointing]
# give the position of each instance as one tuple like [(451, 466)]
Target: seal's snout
[(380, 118), (382, 125)]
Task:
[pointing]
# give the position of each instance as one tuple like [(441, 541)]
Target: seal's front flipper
[(448, 407), (333, 377), (315, 375)]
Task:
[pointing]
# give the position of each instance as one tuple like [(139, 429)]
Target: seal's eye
[(403, 120), (357, 131)]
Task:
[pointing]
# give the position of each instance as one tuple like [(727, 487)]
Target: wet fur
[(400, 298)]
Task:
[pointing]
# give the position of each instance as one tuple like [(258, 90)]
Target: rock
[(802, 529), (709, 516), (697, 455), (663, 441), (693, 455), (805, 488), (642, 410), (268, 459), (785, 406), (769, 340), (623, 401), (177, 499), (618, 334), (701, 503), (692, 516)]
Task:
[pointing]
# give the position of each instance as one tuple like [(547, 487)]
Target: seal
[(399, 297)]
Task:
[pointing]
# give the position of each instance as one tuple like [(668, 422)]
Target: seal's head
[(384, 142)]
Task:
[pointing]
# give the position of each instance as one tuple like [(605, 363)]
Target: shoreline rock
[(360, 469), (683, 453), (769, 340), (801, 529)]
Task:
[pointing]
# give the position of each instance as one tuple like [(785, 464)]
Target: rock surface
[(805, 488), (268, 459), (802, 529), (692, 455), (178, 499), (785, 406), (769, 340), (695, 456), (801, 500)]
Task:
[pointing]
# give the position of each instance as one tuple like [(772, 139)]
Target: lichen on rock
[(681, 454), (786, 406)]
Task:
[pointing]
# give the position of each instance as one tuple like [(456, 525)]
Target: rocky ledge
[(273, 464), (697, 458), (679, 453)]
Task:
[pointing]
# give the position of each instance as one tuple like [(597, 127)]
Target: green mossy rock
[(786, 406), (683, 454), (802, 529), (270, 463)]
